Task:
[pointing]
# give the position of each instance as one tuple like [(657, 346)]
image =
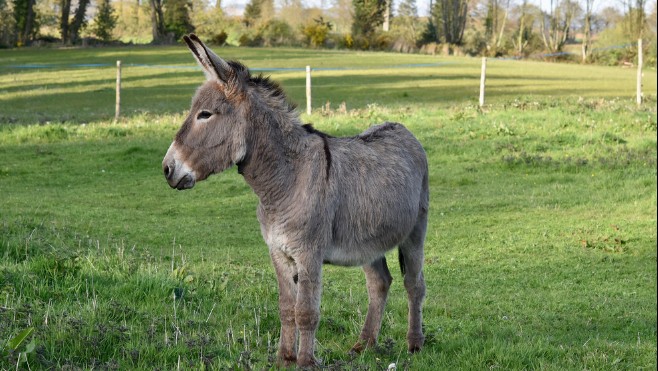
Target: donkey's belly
[(357, 254)]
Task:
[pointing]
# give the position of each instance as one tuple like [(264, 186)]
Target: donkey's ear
[(214, 67)]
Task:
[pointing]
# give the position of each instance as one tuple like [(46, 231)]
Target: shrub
[(219, 38), (316, 33)]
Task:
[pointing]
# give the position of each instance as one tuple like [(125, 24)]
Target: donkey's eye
[(204, 115)]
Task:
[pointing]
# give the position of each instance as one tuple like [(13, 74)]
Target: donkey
[(343, 201)]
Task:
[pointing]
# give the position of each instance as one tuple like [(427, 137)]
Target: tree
[(368, 16), (524, 31), (635, 20), (252, 13), (105, 21), (341, 14), (65, 10), (587, 31), (79, 21), (7, 29), (316, 32), (406, 22), (555, 26), (495, 25), (450, 18), (177, 18), (157, 21), (24, 21)]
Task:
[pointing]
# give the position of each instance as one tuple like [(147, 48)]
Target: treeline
[(572, 29)]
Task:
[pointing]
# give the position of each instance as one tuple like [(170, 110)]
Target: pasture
[(541, 245)]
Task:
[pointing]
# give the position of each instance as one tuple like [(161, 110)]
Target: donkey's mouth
[(185, 182)]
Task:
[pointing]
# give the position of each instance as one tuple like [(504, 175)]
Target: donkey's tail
[(403, 268)]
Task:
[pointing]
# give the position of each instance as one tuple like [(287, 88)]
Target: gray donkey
[(344, 201)]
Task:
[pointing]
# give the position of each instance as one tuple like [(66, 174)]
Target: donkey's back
[(379, 189)]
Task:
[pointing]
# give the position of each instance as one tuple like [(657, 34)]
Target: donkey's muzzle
[(177, 173)]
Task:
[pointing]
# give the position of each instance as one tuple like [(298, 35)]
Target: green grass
[(541, 250), (162, 80)]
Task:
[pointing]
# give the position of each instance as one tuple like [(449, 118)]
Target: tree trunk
[(25, 35), (64, 20), (157, 21), (78, 21)]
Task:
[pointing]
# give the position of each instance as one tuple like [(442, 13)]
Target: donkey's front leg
[(307, 308), (286, 274)]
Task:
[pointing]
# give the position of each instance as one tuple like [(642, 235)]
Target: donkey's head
[(213, 136)]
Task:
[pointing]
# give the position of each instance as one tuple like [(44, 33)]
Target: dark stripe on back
[(327, 153)]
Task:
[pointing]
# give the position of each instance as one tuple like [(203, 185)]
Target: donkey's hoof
[(286, 361), (415, 343), (308, 362), (357, 348)]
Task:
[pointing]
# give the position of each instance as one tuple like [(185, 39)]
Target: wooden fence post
[(483, 75), (117, 106), (639, 72), (308, 90)]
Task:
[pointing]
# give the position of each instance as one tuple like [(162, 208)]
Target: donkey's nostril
[(167, 171)]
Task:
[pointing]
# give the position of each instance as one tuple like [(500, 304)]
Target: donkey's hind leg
[(378, 282), (412, 256)]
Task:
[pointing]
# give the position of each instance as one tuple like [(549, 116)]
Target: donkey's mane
[(271, 88)]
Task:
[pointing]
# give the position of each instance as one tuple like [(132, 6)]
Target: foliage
[(7, 26), (210, 23), (177, 18), (276, 32), (406, 27), (78, 23), (24, 19), (368, 16), (252, 12), (105, 21), (157, 21), (316, 32), (450, 17), (556, 26)]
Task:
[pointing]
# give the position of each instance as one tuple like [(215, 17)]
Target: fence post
[(639, 72), (308, 90), (482, 79), (117, 106)]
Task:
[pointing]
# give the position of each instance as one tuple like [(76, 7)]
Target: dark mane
[(264, 82), (311, 130)]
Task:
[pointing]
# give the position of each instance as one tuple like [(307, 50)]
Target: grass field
[(541, 250)]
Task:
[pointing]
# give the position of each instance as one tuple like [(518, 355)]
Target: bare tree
[(587, 31), (495, 26), (522, 36), (450, 18), (556, 25), (157, 21)]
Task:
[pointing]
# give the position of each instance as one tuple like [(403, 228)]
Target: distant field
[(541, 250), (54, 85)]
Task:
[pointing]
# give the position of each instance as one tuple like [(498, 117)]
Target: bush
[(316, 33), (276, 33), (219, 39)]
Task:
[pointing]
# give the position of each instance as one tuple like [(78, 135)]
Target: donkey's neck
[(269, 165)]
